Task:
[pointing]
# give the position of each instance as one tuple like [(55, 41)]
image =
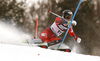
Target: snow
[(28, 53)]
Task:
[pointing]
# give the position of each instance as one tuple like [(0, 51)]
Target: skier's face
[(68, 17)]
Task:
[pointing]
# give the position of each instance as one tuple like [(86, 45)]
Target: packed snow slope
[(28, 53)]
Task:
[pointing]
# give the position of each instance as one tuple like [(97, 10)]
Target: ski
[(46, 47), (65, 50)]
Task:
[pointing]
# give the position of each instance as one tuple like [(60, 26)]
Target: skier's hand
[(77, 39), (74, 23)]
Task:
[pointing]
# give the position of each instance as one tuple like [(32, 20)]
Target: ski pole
[(70, 24), (56, 14)]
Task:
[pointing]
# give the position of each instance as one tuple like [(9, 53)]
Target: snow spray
[(11, 34)]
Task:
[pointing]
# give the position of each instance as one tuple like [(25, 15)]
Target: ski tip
[(48, 10)]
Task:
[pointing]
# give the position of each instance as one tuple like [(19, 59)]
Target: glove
[(74, 22), (77, 39)]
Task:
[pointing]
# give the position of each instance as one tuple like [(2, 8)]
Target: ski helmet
[(67, 14)]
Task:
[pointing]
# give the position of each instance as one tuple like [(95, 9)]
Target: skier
[(60, 25)]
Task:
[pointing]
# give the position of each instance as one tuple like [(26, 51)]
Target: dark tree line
[(11, 10)]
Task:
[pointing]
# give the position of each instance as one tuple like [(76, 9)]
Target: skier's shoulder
[(58, 18)]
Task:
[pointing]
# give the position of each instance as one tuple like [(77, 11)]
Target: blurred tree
[(68, 4), (10, 9)]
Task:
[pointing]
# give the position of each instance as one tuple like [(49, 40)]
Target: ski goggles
[(68, 17)]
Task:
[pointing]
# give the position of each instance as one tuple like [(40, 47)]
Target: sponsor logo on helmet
[(70, 13)]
